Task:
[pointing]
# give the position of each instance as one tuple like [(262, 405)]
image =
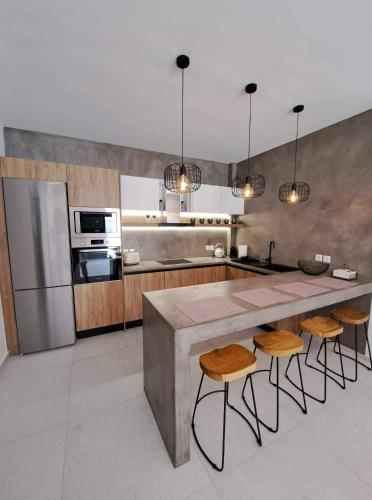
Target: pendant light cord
[(295, 162), (182, 116), (249, 131)]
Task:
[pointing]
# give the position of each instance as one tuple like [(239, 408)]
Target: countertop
[(152, 265), (165, 301)]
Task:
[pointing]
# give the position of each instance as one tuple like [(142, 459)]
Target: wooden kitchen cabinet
[(134, 286), (93, 187), (98, 304), (19, 168), (211, 274), (182, 277), (234, 273)]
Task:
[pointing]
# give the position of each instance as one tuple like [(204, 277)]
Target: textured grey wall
[(172, 243), (337, 219), (129, 161)]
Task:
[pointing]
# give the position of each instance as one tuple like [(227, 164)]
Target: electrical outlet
[(207, 248), (327, 258), (211, 248), (319, 257)]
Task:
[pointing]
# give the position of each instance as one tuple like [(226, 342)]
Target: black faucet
[(271, 246)]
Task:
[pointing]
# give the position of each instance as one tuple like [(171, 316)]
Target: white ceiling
[(105, 70)]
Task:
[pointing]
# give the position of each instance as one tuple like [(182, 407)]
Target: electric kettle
[(219, 250)]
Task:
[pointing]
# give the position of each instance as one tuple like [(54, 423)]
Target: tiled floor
[(75, 424)]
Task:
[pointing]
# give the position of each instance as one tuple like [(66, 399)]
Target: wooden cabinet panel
[(6, 290), (234, 273), (98, 304), (20, 168), (134, 286), (93, 187), (211, 274), (183, 277)]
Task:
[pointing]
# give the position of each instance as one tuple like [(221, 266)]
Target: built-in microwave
[(88, 222)]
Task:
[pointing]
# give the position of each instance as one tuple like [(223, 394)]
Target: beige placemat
[(263, 297), (336, 284), (208, 309), (302, 289)]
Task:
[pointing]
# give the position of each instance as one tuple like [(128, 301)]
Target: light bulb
[(183, 184), (248, 191), (293, 197)]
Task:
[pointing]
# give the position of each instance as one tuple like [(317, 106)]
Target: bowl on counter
[(313, 267)]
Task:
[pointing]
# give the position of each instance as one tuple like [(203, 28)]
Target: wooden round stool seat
[(322, 326), (350, 315), (228, 363), (278, 343)]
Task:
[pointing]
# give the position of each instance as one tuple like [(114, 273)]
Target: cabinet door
[(19, 168), (234, 273), (207, 199), (98, 304), (183, 277), (134, 286), (229, 203), (93, 187), (211, 274), (140, 193)]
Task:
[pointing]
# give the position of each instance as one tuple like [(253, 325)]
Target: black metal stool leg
[(355, 358), (336, 341)]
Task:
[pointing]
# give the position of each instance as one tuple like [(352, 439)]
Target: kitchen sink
[(279, 268), (169, 262)]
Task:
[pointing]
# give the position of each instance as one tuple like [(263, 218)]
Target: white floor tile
[(293, 467), (31, 468), (33, 401), (118, 453), (345, 428), (103, 344), (206, 493)]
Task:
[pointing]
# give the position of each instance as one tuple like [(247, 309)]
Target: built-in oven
[(88, 222), (96, 261)]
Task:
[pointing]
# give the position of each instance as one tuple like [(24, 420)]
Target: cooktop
[(174, 261)]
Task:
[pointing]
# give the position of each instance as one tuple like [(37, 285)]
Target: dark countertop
[(147, 266)]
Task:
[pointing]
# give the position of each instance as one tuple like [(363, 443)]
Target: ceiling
[(106, 71)]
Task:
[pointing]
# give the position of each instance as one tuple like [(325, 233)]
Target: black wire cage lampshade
[(182, 177), (251, 185), (295, 192)]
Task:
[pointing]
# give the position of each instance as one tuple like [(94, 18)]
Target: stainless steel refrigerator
[(39, 248)]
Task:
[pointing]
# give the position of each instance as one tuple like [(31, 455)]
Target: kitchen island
[(168, 334)]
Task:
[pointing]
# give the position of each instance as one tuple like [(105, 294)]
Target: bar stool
[(352, 316), (277, 344), (329, 330), (232, 362)]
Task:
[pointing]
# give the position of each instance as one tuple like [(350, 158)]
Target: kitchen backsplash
[(164, 243)]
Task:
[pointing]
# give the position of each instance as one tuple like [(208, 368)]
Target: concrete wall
[(337, 219), (2, 145), (167, 243), (129, 161)]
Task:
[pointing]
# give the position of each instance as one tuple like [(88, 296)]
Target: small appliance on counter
[(233, 252), (219, 250), (131, 257), (344, 274), (242, 250)]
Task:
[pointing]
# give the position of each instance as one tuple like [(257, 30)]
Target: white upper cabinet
[(231, 204), (140, 193), (216, 200)]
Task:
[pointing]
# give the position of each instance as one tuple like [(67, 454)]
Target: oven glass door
[(97, 222), (96, 264)]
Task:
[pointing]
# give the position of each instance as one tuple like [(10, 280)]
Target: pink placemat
[(209, 309), (302, 289), (334, 283), (263, 297)]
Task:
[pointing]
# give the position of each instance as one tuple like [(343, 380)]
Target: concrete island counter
[(169, 331)]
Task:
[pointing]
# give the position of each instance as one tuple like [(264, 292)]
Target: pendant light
[(251, 185), (295, 192), (182, 177)]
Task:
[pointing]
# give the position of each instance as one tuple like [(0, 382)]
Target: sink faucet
[(271, 246)]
